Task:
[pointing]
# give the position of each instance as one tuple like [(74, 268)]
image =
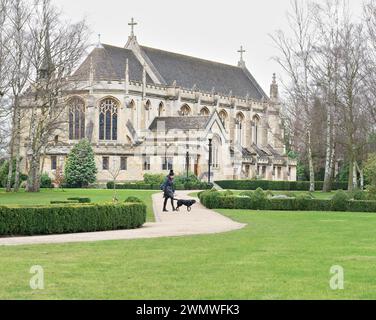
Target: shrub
[(340, 201), (143, 186), (154, 179), (362, 206), (133, 200), (248, 194), (210, 199), (259, 199), (70, 218), (227, 193), (64, 202), (371, 193), (276, 185), (80, 169), (80, 200), (4, 168), (45, 181), (370, 170), (214, 200), (359, 195)]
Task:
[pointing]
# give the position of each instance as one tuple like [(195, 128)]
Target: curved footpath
[(199, 221)]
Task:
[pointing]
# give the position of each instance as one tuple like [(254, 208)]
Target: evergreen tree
[(80, 169)]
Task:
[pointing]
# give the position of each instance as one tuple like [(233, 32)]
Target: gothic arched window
[(204, 112), (240, 128), (76, 109), (108, 119), (223, 116), (256, 130), (185, 111), (160, 109), (217, 144)]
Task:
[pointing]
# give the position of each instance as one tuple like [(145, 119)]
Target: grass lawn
[(45, 196), (278, 255)]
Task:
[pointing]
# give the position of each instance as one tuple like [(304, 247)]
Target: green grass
[(277, 256), (97, 196)]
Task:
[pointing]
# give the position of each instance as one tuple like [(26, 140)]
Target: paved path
[(198, 222)]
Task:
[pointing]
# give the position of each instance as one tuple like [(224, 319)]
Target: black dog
[(187, 203)]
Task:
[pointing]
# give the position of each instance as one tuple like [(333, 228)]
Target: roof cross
[(132, 24), (241, 51)]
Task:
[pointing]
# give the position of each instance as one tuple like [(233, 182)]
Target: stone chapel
[(146, 110)]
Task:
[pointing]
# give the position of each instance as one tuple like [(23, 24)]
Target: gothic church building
[(146, 110)]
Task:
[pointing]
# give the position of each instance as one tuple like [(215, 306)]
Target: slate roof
[(206, 75), (176, 123), (109, 63)]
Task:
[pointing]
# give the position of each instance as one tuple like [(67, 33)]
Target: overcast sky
[(206, 29)]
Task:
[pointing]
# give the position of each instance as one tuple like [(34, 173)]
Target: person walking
[(169, 191)]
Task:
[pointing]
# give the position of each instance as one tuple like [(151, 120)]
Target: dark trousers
[(165, 203)]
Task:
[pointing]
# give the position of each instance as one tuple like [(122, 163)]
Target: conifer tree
[(80, 169)]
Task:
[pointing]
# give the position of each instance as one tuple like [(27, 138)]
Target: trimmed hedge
[(45, 220), (216, 200), (143, 186), (64, 202), (276, 185), (80, 200)]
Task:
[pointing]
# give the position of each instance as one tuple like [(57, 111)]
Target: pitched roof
[(189, 71), (176, 123), (109, 63)]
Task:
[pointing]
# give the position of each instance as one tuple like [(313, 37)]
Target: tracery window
[(240, 128), (216, 152), (223, 116), (185, 111), (205, 112), (76, 109), (108, 119), (256, 130)]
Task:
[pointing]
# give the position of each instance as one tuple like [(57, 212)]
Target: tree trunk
[(361, 180), (351, 176), (355, 176), (18, 146), (11, 152), (311, 167), (328, 157), (33, 182)]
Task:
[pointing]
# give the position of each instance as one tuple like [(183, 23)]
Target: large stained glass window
[(108, 119), (76, 108)]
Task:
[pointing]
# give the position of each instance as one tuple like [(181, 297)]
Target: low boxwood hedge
[(276, 185), (217, 200), (43, 220), (80, 200), (144, 186)]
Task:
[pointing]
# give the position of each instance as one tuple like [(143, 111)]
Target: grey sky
[(206, 29)]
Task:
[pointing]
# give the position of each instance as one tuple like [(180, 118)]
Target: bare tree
[(18, 14), (296, 58), (326, 73), (4, 77), (58, 47), (114, 172)]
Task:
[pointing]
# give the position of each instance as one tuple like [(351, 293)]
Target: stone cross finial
[(241, 51), (132, 24)]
